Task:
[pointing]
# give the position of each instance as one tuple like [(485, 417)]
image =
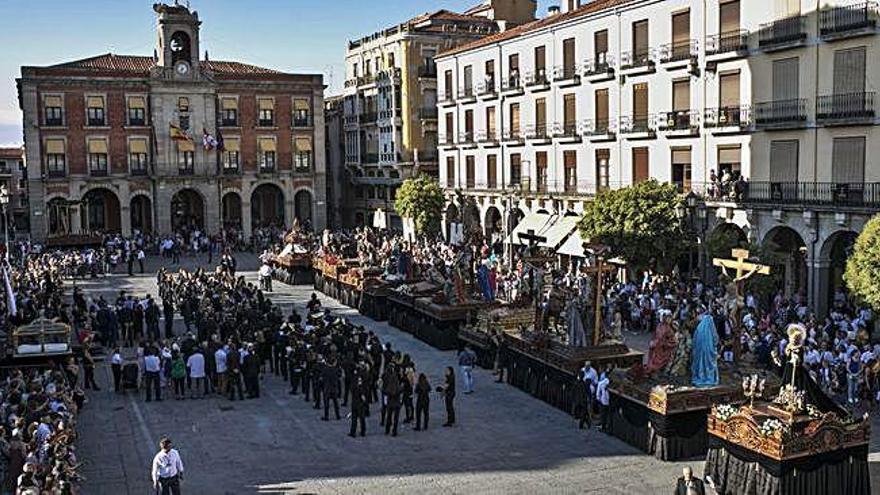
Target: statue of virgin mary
[(704, 360)]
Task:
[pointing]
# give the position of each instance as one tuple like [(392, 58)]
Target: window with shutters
[(137, 110), (137, 156), (231, 155), (541, 169), (515, 169), (266, 117), (450, 128), (540, 117), (513, 70), (95, 113), (640, 107), (601, 109), (53, 110), (783, 169), (848, 160), (849, 98), (540, 76), (468, 126), (568, 59), (470, 172), (681, 168), (229, 111), (600, 51), (681, 95), (490, 124), (569, 160), (491, 171), (729, 23), (302, 113), (450, 171), (640, 47), (729, 160), (514, 120), (468, 82), (641, 168), (681, 36), (785, 105), (603, 157), (56, 157), (728, 93), (569, 114), (98, 153), (447, 85)]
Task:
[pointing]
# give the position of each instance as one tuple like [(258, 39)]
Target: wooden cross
[(600, 269), (533, 240), (744, 269)]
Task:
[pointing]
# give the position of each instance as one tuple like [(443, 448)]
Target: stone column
[(75, 220), (246, 226)]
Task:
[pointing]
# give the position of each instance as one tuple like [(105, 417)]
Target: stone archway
[(451, 218), (61, 217), (493, 224), (836, 249), (100, 212), (302, 207), (141, 210), (187, 210), (786, 251), (267, 206), (230, 211)]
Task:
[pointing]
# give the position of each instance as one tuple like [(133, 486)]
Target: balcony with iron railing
[(822, 194), (466, 139), (486, 89), (680, 51), (599, 129), (566, 132), (537, 80), (781, 113), (487, 137), (782, 33), (386, 114), (567, 75), (466, 94), (638, 126), (446, 140), (512, 136), (680, 122), (847, 20), (370, 158), (846, 108), (637, 61), (446, 98), (350, 120), (428, 71), (733, 43), (735, 118), (511, 85), (600, 68), (98, 172), (56, 174), (538, 132), (428, 113)]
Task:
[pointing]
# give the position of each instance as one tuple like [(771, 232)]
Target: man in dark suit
[(360, 406), (330, 384), (250, 368), (689, 484), (151, 315), (233, 372)]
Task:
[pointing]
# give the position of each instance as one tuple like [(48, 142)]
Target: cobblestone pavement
[(505, 441)]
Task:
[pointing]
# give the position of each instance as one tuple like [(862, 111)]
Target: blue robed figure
[(704, 357)]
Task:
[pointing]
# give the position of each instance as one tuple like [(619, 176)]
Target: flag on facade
[(208, 141), (178, 134), (10, 296)]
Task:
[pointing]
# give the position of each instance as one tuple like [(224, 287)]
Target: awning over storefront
[(562, 227), (538, 223), (573, 246)]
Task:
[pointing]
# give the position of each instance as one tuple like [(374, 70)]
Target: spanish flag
[(178, 134)]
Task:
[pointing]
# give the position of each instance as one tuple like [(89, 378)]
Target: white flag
[(10, 296)]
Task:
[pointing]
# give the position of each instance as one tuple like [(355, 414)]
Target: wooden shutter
[(513, 62), (640, 164), (848, 160), (729, 155), (540, 112), (729, 17), (468, 78), (569, 110), (681, 28), (514, 117), (600, 45), (491, 171), (469, 121), (640, 37), (601, 105), (540, 58), (490, 121), (784, 161), (640, 100), (785, 79), (568, 53), (729, 90), (681, 95), (849, 71)]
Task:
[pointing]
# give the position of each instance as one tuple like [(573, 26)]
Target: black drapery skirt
[(668, 437)]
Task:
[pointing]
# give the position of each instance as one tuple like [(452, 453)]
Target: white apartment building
[(539, 118)]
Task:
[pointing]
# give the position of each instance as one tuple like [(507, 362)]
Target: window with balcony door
[(729, 38), (515, 169), (681, 104), (640, 107), (640, 48), (728, 98), (447, 85), (784, 171), (786, 91), (95, 115), (569, 160), (540, 64), (229, 112), (470, 172), (569, 115), (467, 84), (56, 157), (603, 157), (53, 113), (186, 157), (681, 168), (541, 169), (302, 159), (492, 171), (641, 165), (540, 117), (729, 160), (568, 58), (302, 113), (137, 156), (450, 171), (231, 155), (601, 109), (600, 51), (848, 168), (681, 36), (267, 153), (849, 98), (137, 110), (513, 70), (490, 124), (489, 80), (514, 120), (450, 127), (98, 152), (266, 108), (468, 126)]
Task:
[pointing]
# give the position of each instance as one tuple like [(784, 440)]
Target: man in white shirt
[(152, 367), (220, 369), (167, 470), (116, 366), (196, 365), (604, 399)]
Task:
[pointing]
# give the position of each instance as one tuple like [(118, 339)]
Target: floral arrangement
[(770, 427), (725, 411)]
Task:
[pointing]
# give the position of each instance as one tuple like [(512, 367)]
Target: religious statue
[(733, 301), (704, 359), (577, 337), (484, 282), (663, 345), (680, 362)]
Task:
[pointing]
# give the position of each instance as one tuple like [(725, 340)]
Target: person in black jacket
[(348, 367), (423, 401), (296, 357), (448, 392), (250, 368), (391, 391), (151, 315), (360, 406), (330, 381), (168, 313), (233, 371)]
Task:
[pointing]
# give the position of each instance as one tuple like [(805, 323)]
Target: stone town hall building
[(109, 135)]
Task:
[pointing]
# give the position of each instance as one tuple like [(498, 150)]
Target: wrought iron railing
[(637, 58), (604, 64), (678, 51), (782, 31), (781, 112), (732, 41), (679, 120), (845, 18), (566, 72), (845, 106), (857, 194), (730, 116), (598, 127), (637, 124)]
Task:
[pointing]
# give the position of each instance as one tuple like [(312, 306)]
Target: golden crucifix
[(599, 269)]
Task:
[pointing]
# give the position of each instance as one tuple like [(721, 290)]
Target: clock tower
[(178, 50)]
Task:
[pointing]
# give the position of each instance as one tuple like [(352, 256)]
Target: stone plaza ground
[(505, 441)]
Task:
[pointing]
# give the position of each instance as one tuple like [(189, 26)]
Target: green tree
[(862, 275), (639, 224), (421, 199)]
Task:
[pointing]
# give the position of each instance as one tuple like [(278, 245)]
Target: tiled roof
[(447, 15), (135, 64), (528, 27), (11, 152)]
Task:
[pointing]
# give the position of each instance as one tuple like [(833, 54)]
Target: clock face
[(182, 68)]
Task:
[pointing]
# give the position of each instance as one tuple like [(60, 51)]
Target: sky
[(290, 35)]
